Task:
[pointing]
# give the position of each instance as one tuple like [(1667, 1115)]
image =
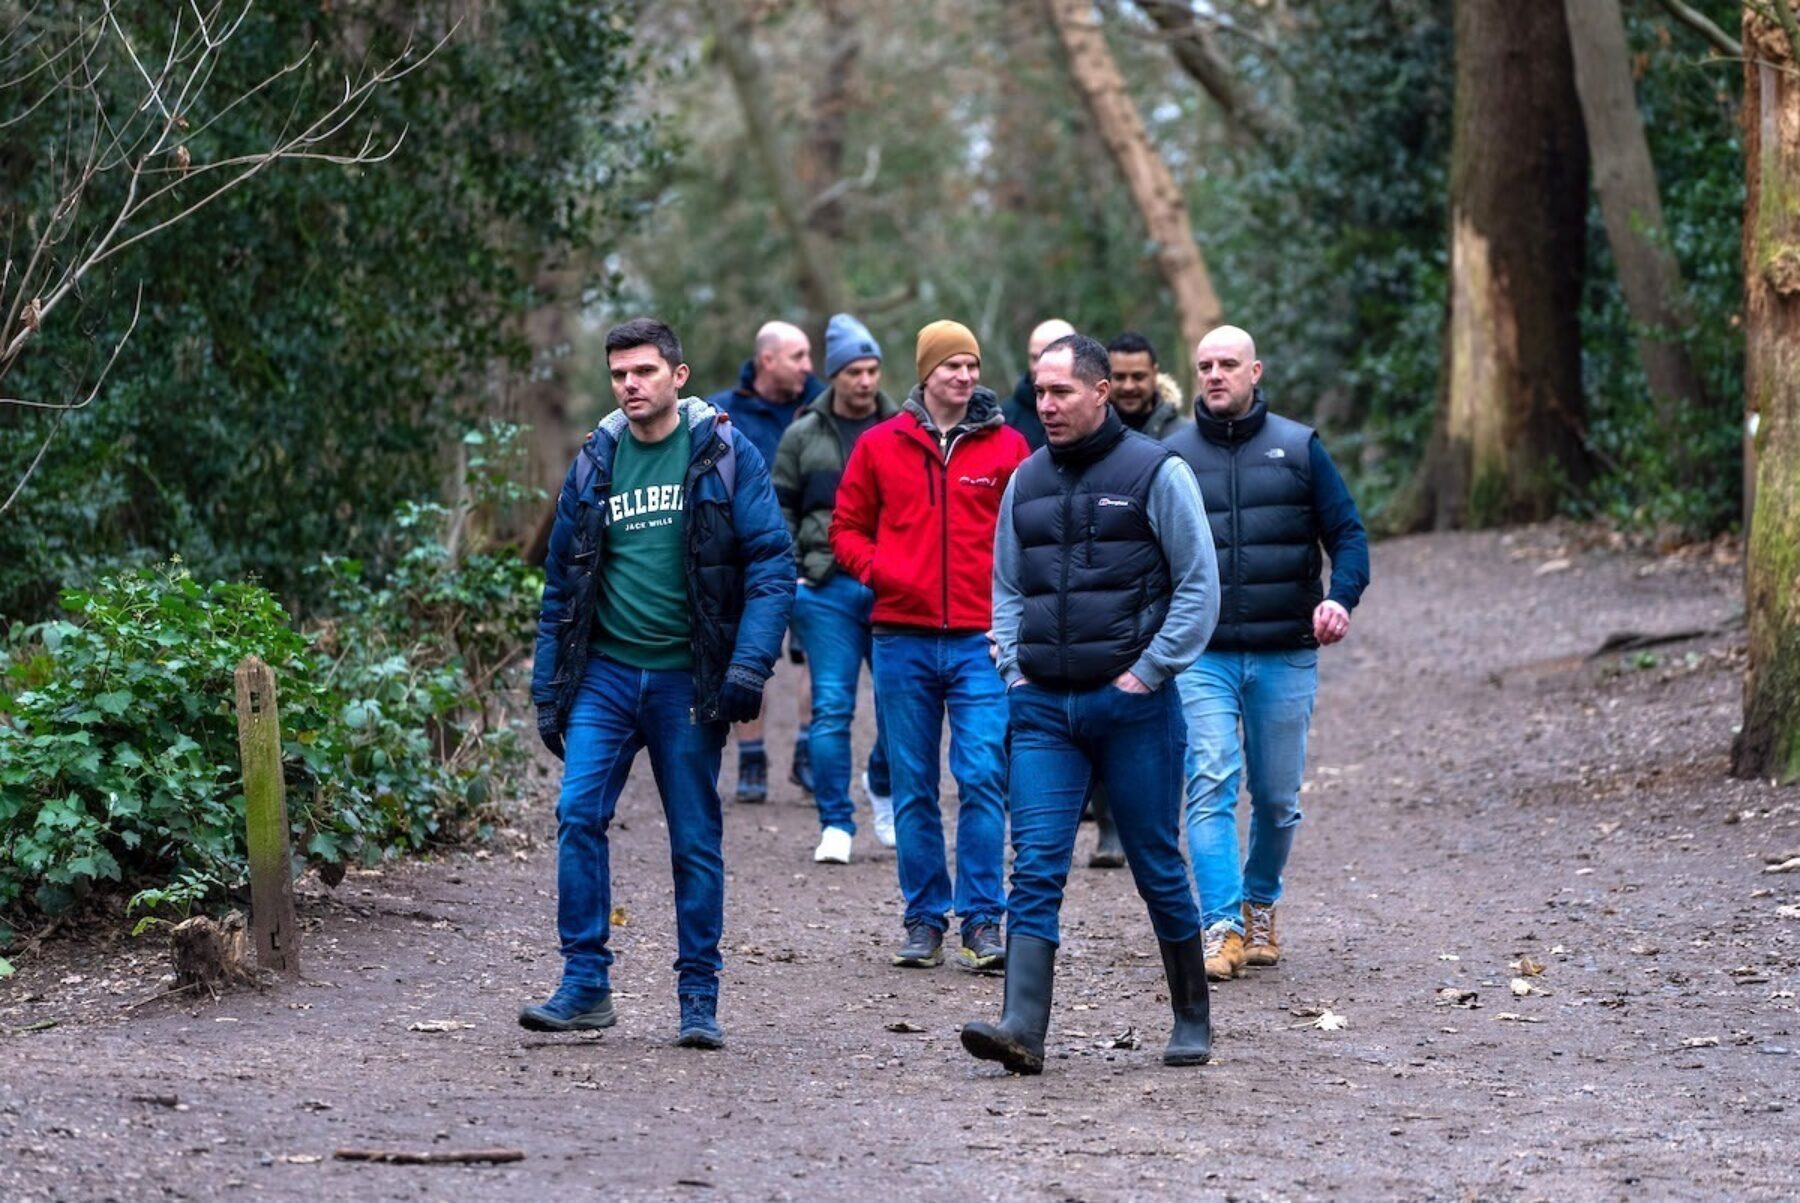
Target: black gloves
[(740, 699), (550, 729)]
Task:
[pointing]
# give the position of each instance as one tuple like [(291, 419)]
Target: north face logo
[(1275, 453), (985, 482), (1118, 501)]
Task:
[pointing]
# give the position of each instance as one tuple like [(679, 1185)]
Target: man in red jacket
[(915, 518)]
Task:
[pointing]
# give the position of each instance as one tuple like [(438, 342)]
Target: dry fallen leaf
[(901, 1025), (1700, 1042), (1510, 1017), (1128, 1039), (1450, 996), (438, 1025), (1786, 866), (620, 917), (1327, 1021), (300, 1158), (1526, 967), (1788, 912)]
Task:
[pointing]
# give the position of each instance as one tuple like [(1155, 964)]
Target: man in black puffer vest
[(1273, 497), (1105, 588)]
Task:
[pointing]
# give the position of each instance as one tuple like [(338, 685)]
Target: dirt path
[(1477, 794)]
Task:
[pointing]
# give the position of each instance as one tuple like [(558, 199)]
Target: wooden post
[(272, 926)]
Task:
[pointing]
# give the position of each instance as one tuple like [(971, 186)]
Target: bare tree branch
[(1200, 57), (1698, 21), (148, 145)]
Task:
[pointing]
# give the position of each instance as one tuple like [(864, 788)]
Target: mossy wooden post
[(272, 926)]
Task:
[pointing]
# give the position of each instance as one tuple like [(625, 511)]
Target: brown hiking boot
[(1224, 951), (1260, 946)]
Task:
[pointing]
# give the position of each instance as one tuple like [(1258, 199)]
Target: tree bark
[(832, 88), (1153, 189), (821, 285), (1198, 54), (1769, 742), (1508, 439), (1631, 208)]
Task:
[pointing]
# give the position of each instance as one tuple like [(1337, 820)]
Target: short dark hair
[(645, 332), (1088, 358), (1131, 342)]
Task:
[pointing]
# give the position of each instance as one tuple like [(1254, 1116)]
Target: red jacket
[(915, 522)]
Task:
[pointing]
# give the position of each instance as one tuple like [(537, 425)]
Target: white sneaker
[(883, 807), (834, 847)]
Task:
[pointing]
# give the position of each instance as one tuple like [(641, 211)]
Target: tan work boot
[(1224, 951), (1260, 946)]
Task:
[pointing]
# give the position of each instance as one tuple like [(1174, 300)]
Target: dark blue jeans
[(918, 679), (1134, 744), (617, 711), (833, 623)]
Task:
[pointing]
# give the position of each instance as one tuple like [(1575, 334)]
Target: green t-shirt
[(642, 615)]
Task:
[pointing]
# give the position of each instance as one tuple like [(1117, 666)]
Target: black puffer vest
[(1255, 475), (1095, 582)]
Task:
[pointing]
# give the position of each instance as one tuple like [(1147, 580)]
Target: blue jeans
[(918, 678), (617, 711), (832, 621), (1062, 741), (1271, 695)]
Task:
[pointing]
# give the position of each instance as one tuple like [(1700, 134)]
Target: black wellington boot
[(1185, 964), (1108, 852), (1017, 1041)]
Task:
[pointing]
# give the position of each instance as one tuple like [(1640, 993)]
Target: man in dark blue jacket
[(776, 382), (1273, 497), (667, 587), (1021, 408)]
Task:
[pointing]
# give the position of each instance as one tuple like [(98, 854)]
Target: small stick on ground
[(432, 1157)]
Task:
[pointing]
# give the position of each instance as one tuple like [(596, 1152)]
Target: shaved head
[(783, 361), (1042, 335), (1227, 369), (1228, 338), (771, 336)]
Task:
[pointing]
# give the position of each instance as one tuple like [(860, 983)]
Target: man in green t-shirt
[(667, 589)]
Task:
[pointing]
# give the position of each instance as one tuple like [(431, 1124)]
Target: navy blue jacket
[(1021, 412), (759, 419), (738, 562), (1273, 496)]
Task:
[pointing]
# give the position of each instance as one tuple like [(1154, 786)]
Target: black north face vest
[(1255, 477), (1095, 582)]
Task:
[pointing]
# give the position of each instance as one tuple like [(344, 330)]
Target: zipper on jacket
[(1237, 530), (1062, 587)]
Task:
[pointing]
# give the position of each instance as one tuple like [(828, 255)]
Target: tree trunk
[(815, 259), (1198, 54), (1631, 207), (1159, 201), (1769, 743), (1508, 435), (824, 161)]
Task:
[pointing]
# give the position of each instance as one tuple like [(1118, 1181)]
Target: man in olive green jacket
[(831, 608)]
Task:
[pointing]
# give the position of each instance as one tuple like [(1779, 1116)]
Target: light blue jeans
[(1270, 696), (833, 623)]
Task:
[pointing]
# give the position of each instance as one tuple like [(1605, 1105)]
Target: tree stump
[(209, 954)]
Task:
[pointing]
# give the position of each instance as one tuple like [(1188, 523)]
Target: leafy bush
[(118, 734)]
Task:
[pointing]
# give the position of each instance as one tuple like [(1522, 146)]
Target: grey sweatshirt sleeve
[(1009, 603), (1178, 519)]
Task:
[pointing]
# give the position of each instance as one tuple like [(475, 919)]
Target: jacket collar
[(1093, 446), (885, 406), (983, 413), (1226, 431), (701, 419), (746, 389)]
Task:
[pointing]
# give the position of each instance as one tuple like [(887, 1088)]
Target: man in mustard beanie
[(915, 518)]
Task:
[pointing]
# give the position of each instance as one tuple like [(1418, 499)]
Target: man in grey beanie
[(832, 610)]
